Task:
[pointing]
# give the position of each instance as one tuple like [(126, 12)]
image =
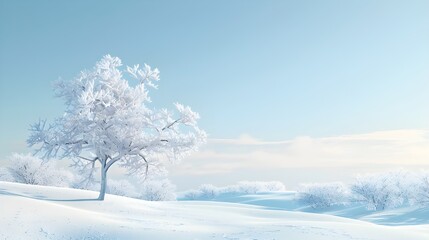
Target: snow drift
[(39, 212)]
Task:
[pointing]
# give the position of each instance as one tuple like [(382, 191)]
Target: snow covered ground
[(36, 212), (287, 201)]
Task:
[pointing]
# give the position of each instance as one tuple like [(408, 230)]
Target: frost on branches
[(107, 121), (381, 191), (324, 195), (32, 170)]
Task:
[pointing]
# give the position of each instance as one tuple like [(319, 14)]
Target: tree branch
[(112, 161), (147, 165), (171, 124), (88, 159)]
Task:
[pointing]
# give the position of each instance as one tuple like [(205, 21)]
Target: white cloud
[(356, 153)]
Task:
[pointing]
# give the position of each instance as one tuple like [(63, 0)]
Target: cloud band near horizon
[(328, 158)]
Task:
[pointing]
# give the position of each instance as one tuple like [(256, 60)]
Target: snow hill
[(38, 212), (287, 201)]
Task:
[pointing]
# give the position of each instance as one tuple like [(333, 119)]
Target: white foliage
[(32, 170), (323, 195), (381, 191), (208, 191), (108, 122), (419, 189), (252, 187), (192, 194), (121, 188), (205, 191), (158, 190)]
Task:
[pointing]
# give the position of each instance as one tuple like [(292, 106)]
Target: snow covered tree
[(108, 122), (419, 189), (381, 191), (32, 170), (323, 195)]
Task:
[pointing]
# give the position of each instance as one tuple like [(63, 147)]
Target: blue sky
[(273, 70)]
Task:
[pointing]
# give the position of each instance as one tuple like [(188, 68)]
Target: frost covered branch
[(110, 120)]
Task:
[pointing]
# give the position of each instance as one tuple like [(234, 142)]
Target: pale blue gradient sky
[(272, 69)]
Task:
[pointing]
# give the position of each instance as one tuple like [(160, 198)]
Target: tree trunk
[(103, 184)]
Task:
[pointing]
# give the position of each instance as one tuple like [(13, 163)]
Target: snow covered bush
[(322, 195), (121, 188), (252, 187), (32, 170), (419, 189), (381, 191), (204, 192), (158, 190), (208, 191), (192, 194), (108, 122)]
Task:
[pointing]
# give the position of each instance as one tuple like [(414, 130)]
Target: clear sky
[(272, 70)]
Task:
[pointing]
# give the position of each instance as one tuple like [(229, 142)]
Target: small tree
[(108, 122), (323, 195), (419, 189), (381, 191)]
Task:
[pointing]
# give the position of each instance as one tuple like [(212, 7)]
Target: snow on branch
[(110, 120)]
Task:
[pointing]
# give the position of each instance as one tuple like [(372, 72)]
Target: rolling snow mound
[(39, 212)]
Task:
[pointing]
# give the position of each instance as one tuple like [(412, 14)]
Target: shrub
[(161, 190), (192, 195), (252, 187), (208, 191), (419, 190), (121, 188), (32, 170), (323, 195), (381, 191)]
